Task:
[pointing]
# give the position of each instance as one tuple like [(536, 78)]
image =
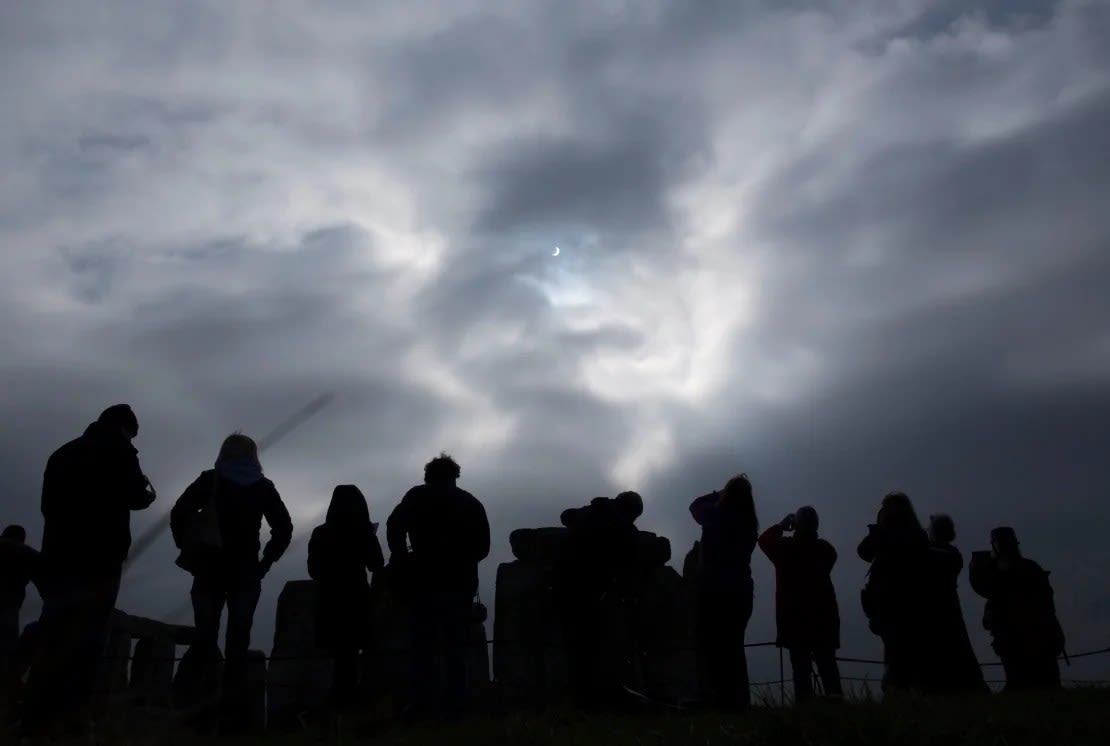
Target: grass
[(1075, 717)]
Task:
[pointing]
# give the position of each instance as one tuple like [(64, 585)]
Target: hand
[(787, 523)]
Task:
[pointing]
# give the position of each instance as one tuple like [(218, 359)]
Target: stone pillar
[(114, 666), (300, 673), (529, 658)]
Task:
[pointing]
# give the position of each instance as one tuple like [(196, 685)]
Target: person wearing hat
[(1020, 613), (90, 487), (729, 530)]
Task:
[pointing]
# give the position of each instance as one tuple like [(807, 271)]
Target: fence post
[(782, 681)]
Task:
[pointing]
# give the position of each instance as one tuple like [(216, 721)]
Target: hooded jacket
[(242, 498), (340, 553)]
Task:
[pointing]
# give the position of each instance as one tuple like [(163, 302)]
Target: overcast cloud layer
[(844, 247)]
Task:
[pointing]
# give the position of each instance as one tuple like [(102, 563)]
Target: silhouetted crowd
[(437, 536)]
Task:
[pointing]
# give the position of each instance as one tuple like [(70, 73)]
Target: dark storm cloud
[(561, 184), (1006, 14), (842, 271)]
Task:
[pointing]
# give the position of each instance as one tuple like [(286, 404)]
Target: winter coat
[(340, 553), (952, 659), (242, 498), (806, 611), (728, 538), (89, 489), (449, 535), (1021, 612), (898, 580)]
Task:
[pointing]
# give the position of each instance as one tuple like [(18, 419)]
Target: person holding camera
[(1020, 613), (448, 531), (806, 612), (596, 564), (90, 487), (729, 529), (216, 523), (896, 598), (340, 553)]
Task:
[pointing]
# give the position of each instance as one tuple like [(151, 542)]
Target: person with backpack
[(90, 487), (1020, 613), (340, 553), (896, 596), (729, 529), (216, 524), (437, 536), (806, 612)]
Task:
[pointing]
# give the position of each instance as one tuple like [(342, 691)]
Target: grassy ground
[(1072, 718)]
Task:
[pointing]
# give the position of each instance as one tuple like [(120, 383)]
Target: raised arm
[(868, 549), (134, 487), (702, 507), (770, 541), (982, 574)]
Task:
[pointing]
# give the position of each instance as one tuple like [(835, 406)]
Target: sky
[(845, 248)]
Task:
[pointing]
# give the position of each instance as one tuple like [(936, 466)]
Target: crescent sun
[(555, 252)]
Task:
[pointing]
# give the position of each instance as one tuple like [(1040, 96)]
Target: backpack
[(202, 543)]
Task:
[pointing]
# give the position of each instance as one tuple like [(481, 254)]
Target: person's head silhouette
[(15, 533), (629, 504), (120, 417), (942, 529), (441, 471), (806, 521)]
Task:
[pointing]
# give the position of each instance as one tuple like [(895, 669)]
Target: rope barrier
[(553, 646)]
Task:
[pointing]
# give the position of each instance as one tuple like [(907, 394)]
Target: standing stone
[(300, 673), (114, 666), (152, 671), (645, 626), (392, 647), (529, 656)]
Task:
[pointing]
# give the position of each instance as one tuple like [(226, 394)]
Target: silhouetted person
[(19, 565), (340, 553), (89, 489), (233, 497), (1020, 613), (952, 662), (597, 558), (806, 612), (896, 599), (724, 603), (441, 533)]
